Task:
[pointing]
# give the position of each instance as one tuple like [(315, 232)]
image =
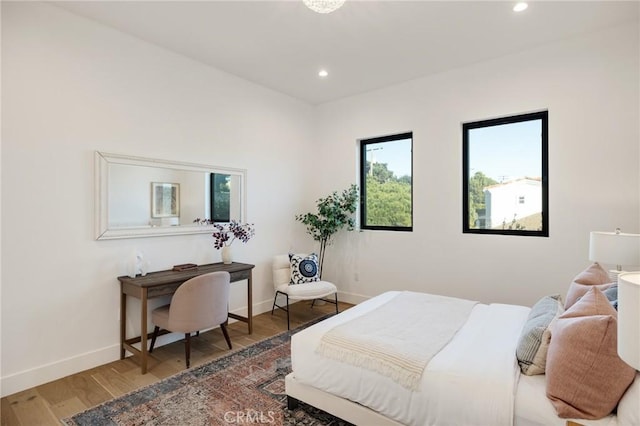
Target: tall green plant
[(334, 213)]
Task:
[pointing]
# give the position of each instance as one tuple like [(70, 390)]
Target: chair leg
[(288, 324), (187, 348), (153, 338), (223, 327), (274, 302), (336, 302)]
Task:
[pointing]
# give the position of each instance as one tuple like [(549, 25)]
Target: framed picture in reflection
[(165, 199)]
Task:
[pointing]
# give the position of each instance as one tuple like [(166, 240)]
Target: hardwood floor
[(49, 403)]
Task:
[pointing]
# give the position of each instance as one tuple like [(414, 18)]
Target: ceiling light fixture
[(519, 7), (323, 73), (323, 6)]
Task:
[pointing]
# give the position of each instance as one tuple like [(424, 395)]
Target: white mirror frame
[(102, 162)]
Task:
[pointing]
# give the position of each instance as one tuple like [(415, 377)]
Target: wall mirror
[(144, 197)]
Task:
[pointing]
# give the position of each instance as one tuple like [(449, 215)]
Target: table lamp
[(615, 248), (629, 318)]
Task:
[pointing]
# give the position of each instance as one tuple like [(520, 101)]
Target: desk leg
[(250, 304), (143, 332), (123, 320)]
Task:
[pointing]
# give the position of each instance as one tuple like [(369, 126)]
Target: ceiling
[(364, 45)]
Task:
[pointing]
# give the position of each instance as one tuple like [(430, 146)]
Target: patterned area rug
[(242, 388)]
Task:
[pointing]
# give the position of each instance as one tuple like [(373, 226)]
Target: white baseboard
[(352, 298), (45, 373), (36, 376)]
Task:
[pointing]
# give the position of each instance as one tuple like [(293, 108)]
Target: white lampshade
[(629, 318), (614, 248)]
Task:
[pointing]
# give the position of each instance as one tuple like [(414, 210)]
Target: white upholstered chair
[(199, 303), (281, 269)]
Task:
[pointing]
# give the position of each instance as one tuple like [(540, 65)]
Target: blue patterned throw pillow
[(304, 269), (612, 295)]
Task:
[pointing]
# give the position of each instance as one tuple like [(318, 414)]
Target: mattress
[(389, 398)]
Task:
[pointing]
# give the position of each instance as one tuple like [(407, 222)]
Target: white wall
[(71, 87), (590, 85)]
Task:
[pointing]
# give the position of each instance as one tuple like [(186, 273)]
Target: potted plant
[(334, 213)]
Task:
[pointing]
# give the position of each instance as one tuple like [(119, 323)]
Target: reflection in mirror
[(139, 197), (225, 202), (505, 175)]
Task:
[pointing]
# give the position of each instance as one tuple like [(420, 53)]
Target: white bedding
[(448, 395), (533, 408), (460, 372), (380, 339)]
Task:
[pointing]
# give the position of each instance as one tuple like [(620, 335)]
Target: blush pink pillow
[(585, 376), (594, 275)]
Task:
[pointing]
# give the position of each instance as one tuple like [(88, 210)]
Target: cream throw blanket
[(400, 337)]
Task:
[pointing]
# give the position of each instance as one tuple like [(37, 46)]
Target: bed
[(473, 379)]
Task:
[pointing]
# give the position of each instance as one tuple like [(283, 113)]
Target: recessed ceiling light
[(323, 73), (519, 7)]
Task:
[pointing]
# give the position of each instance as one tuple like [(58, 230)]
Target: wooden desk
[(162, 283)]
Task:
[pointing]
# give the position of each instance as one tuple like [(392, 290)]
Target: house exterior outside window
[(520, 199)]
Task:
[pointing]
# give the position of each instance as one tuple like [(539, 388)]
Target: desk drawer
[(240, 275), (162, 290)]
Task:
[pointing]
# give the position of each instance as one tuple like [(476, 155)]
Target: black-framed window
[(220, 197), (386, 188), (505, 175)]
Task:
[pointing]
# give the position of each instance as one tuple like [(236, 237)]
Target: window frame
[(544, 140), (363, 181)]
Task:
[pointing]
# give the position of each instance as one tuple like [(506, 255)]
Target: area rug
[(244, 387)]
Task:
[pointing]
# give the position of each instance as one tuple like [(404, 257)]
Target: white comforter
[(471, 381), (381, 341)]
